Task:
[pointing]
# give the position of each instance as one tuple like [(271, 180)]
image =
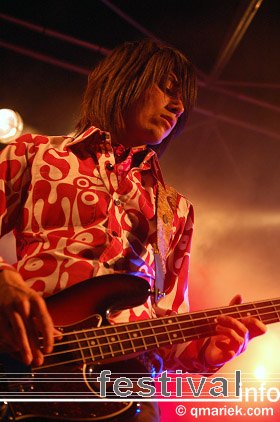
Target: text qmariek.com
[(225, 410)]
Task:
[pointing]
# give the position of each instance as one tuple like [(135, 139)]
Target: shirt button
[(114, 233), (117, 202), (104, 136), (106, 265), (109, 167), (165, 219)]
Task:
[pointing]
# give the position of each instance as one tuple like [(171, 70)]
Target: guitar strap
[(166, 204)]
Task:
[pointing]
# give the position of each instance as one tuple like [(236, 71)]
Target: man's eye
[(172, 91), (170, 87)]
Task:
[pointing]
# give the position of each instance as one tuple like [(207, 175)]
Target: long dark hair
[(118, 81)]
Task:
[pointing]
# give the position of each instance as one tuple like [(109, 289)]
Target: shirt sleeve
[(15, 160), (188, 356)]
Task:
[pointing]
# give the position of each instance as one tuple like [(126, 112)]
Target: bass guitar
[(87, 345)]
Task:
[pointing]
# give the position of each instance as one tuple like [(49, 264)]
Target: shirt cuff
[(5, 266)]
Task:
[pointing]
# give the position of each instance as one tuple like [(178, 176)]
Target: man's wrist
[(209, 369)]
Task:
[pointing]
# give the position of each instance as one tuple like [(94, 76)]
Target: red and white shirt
[(82, 208)]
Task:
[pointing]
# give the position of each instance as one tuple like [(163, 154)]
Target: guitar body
[(74, 376)]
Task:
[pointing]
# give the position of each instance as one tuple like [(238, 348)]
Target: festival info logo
[(96, 386)]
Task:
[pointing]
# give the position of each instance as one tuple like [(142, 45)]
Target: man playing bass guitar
[(96, 205)]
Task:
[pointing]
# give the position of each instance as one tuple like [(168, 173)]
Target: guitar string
[(150, 334), (157, 324), (149, 346), (163, 332), (178, 339), (89, 359)]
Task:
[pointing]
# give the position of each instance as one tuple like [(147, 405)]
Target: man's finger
[(232, 323), (21, 337), (7, 338), (255, 326), (34, 342), (236, 341), (236, 300), (45, 324)]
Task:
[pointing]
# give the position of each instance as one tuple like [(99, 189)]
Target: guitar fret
[(213, 319), (105, 343), (256, 313), (116, 347), (80, 348), (187, 326), (131, 341), (148, 334), (246, 310), (205, 324), (195, 328), (159, 332), (175, 332), (97, 347), (270, 314), (276, 310), (178, 335), (275, 317), (204, 328), (134, 333), (181, 330), (142, 338), (166, 330), (89, 346), (153, 331), (209, 323), (138, 340), (234, 312), (110, 346), (119, 341), (124, 337)]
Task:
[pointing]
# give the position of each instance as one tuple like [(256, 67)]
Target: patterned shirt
[(82, 208)]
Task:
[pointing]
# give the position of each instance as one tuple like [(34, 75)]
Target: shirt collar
[(101, 136), (90, 131), (106, 137)]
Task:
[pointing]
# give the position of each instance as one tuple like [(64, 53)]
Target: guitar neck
[(135, 337)]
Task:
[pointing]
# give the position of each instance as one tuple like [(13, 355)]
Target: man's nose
[(176, 106)]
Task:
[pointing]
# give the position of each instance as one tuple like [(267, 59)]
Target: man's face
[(154, 115)]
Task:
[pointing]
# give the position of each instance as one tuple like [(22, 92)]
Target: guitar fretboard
[(108, 342)]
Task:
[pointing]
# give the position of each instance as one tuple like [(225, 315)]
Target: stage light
[(10, 125), (260, 372)]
